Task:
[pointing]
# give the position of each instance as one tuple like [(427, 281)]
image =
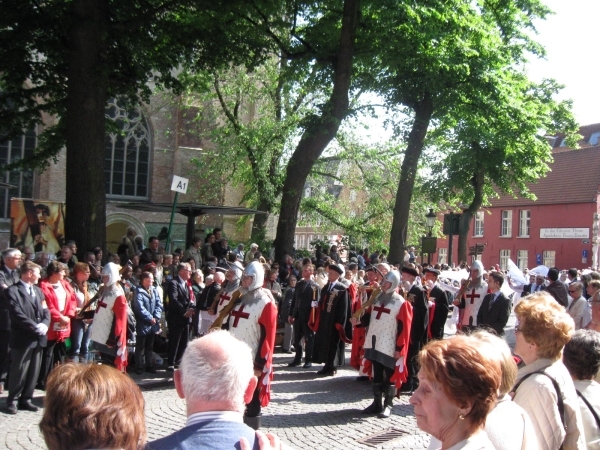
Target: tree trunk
[(318, 133), (478, 182), (408, 173), (85, 221), (259, 224)]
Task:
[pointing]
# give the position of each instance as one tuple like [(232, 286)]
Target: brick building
[(559, 228), (158, 141)]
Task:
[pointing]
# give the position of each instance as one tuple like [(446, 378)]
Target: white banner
[(515, 274), (564, 233)]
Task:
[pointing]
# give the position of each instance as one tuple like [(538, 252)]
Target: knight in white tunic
[(253, 320), (233, 277), (386, 344), (109, 331), (470, 296)]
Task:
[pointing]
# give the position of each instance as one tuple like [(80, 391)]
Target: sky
[(571, 39)]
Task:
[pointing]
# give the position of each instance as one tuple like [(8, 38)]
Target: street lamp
[(431, 216)]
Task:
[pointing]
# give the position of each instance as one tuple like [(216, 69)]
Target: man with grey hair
[(578, 308), (181, 307), (216, 379), (9, 275)]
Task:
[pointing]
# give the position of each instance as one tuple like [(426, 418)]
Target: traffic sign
[(179, 184)]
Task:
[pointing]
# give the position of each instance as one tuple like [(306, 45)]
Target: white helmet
[(257, 272), (111, 270), (477, 265), (393, 276), (237, 269)]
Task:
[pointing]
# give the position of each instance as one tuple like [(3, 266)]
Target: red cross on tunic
[(101, 304), (473, 296), (224, 296), (239, 314), (380, 310)]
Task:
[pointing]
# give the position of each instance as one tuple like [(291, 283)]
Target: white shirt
[(591, 391), (224, 416)]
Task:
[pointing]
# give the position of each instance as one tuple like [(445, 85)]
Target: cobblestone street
[(305, 411)]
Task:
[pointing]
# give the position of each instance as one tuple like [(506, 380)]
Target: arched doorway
[(116, 228)]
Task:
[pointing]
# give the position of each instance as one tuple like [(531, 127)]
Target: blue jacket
[(146, 306), (209, 435)]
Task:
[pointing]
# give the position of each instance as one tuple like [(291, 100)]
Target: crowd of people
[(220, 314)]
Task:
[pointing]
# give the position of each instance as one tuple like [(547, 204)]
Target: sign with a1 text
[(179, 184), (564, 233)]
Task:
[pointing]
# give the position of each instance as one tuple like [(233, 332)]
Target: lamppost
[(429, 242)]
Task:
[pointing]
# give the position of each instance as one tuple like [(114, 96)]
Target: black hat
[(432, 270), (410, 271), (336, 268)]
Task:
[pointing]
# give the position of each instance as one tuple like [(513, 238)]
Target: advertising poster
[(38, 224)]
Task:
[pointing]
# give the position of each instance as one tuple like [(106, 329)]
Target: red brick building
[(559, 228)]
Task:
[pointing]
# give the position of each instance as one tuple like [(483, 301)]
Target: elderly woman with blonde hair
[(544, 387), (506, 415), (448, 404)]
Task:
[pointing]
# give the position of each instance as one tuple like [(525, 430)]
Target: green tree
[(67, 58)]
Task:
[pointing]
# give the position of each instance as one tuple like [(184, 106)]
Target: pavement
[(306, 411)]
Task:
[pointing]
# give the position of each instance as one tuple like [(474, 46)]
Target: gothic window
[(11, 151), (127, 153)]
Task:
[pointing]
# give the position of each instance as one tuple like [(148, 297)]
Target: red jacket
[(52, 302)]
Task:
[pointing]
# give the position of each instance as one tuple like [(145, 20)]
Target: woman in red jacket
[(62, 303)]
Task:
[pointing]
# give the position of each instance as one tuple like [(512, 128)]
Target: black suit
[(7, 279), (300, 310), (442, 307), (494, 315), (418, 331), (26, 312), (179, 302)]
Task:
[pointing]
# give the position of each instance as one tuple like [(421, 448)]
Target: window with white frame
[(504, 257), (522, 259), (295, 241), (506, 230), (302, 241), (127, 153), (310, 239), (478, 227), (12, 151), (549, 257), (442, 255), (524, 221)]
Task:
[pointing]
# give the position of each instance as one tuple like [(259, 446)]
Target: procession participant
[(109, 333), (470, 296), (386, 344), (307, 291), (181, 307), (204, 301), (253, 320), (441, 300), (346, 334), (330, 315), (374, 278), (233, 275), (418, 331)]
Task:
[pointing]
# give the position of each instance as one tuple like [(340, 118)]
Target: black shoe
[(150, 369), (307, 365), (28, 406), (11, 409), (294, 363), (327, 371), (362, 378)]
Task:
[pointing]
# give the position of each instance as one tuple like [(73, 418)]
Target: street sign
[(538, 259), (428, 245), (179, 184)]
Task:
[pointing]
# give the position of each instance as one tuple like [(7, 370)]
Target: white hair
[(217, 368), (10, 252)]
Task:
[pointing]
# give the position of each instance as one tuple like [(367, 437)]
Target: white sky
[(571, 39)]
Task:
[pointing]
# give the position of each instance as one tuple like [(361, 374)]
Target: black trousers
[(178, 340), (301, 329), (54, 353), (4, 355), (381, 373), (144, 346), (24, 371), (253, 408)]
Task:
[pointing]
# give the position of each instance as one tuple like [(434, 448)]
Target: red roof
[(586, 131), (574, 177)]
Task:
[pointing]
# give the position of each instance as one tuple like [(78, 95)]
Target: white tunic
[(383, 325), (103, 319), (224, 298), (473, 299), (243, 320)]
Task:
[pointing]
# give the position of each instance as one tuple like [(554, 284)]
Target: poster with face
[(38, 224)]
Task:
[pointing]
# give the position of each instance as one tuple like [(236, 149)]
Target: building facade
[(559, 228)]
